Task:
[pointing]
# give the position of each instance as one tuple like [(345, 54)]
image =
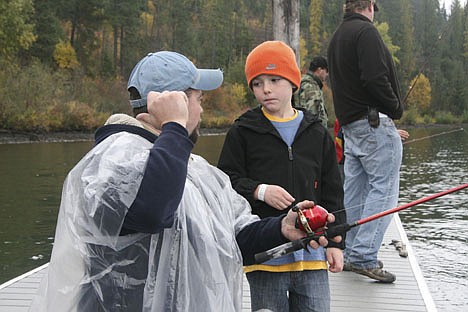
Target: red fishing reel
[(312, 219)]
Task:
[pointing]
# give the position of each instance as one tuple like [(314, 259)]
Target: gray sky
[(448, 3)]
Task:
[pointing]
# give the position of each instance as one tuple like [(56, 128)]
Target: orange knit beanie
[(273, 58)]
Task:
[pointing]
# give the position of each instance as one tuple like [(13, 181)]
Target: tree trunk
[(286, 23), (116, 47), (121, 50)]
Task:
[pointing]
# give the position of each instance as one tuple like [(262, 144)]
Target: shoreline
[(13, 137), (17, 137)]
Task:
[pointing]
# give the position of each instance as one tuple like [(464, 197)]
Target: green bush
[(216, 122), (445, 118), (411, 117), (36, 98), (427, 119), (464, 117)]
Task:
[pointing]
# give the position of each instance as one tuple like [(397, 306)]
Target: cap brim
[(209, 79)]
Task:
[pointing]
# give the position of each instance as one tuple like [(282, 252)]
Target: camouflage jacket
[(310, 96)]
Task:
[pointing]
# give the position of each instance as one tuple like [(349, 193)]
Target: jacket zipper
[(291, 169)]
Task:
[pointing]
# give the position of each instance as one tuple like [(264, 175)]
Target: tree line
[(64, 63)]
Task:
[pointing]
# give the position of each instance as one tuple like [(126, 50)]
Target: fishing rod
[(339, 229), (433, 135)]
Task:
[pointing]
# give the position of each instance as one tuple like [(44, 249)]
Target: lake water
[(31, 177)]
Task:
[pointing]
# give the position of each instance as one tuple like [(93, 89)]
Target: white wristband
[(261, 192)]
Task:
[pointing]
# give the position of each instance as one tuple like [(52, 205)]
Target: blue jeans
[(289, 291), (372, 180)]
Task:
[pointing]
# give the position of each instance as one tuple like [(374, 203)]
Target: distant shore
[(11, 137)]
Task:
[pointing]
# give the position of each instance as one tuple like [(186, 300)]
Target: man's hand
[(403, 134), (168, 106), (288, 224), (289, 230)]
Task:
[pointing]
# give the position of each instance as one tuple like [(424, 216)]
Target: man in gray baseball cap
[(170, 71)]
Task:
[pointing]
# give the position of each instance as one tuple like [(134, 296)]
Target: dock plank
[(350, 292), (354, 292)]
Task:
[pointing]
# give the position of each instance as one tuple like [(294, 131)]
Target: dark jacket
[(361, 71), (254, 153)]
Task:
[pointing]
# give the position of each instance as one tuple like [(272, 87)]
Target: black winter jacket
[(362, 72), (254, 153)]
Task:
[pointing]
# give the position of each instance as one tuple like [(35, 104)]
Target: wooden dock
[(352, 292), (17, 294), (349, 291)]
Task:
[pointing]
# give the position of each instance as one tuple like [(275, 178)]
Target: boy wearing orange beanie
[(277, 155)]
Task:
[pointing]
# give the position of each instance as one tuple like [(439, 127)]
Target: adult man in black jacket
[(367, 98)]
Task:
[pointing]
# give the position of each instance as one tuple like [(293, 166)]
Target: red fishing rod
[(315, 221)]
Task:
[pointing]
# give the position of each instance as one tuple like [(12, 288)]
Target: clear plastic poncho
[(195, 265)]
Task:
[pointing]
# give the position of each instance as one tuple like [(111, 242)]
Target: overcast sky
[(448, 3)]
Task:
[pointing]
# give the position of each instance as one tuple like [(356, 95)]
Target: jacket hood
[(122, 123)]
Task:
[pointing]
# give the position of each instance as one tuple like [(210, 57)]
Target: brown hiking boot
[(377, 274), (347, 265)]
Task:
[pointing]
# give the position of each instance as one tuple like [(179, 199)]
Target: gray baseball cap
[(170, 71)]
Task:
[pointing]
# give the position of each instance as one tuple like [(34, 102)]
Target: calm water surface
[(437, 229), (31, 177)]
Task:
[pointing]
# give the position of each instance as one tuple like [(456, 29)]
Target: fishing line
[(371, 202)]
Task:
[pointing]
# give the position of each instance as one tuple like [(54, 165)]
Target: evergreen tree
[(333, 11), (383, 29), (465, 41), (84, 19), (125, 21), (405, 38), (216, 41), (315, 28), (453, 61), (48, 30), (430, 31), (16, 29)]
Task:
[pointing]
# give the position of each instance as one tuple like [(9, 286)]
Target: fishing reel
[(312, 219)]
